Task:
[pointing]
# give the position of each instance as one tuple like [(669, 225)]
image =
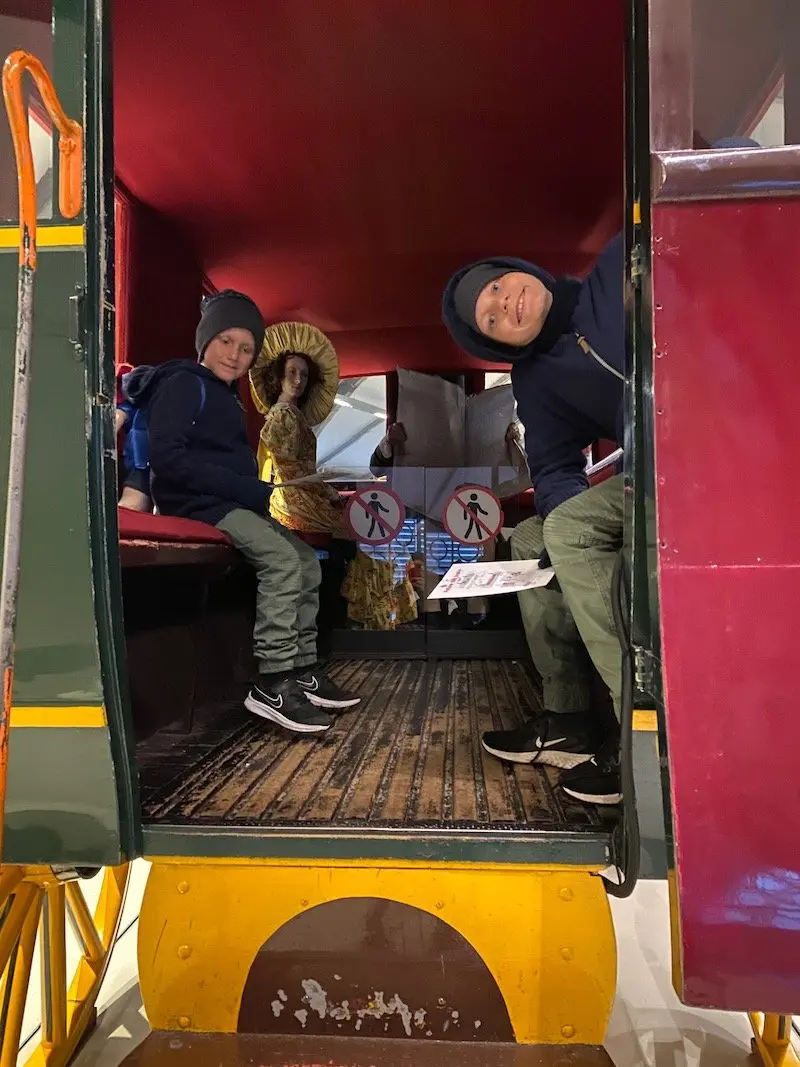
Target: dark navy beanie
[(470, 287), (225, 310)]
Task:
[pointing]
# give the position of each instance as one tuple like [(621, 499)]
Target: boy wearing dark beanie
[(203, 468)]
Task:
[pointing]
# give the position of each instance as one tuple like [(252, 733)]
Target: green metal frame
[(494, 846), (101, 322), (640, 473), (639, 452)]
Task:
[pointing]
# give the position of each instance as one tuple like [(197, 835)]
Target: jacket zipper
[(587, 348)]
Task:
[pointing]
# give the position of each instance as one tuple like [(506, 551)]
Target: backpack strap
[(136, 451), (136, 447)]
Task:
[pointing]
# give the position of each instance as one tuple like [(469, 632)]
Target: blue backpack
[(139, 387)]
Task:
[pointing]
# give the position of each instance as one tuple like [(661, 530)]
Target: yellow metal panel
[(645, 721), (86, 716), (544, 933), (46, 237)]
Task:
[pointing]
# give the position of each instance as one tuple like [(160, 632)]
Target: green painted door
[(70, 788)]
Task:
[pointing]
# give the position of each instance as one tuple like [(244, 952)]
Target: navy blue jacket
[(566, 398), (202, 463)]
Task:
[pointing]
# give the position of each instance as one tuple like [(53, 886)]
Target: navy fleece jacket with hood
[(566, 397), (202, 463)]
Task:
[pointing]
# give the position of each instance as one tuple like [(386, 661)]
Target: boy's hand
[(397, 434)]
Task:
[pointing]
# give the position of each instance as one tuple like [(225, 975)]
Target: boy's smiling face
[(512, 309), (230, 354)]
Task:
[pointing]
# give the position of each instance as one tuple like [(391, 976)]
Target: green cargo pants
[(287, 597), (583, 537)]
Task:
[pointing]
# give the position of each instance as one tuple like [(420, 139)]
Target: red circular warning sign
[(375, 516), (473, 515)]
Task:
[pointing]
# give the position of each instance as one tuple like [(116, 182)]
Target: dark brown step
[(244, 1050)]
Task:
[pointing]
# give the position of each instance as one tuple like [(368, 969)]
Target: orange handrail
[(70, 148), (70, 198)]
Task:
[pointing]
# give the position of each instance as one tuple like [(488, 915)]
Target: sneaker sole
[(273, 715), (594, 798), (564, 761), (321, 702)]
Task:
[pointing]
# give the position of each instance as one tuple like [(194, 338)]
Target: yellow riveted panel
[(544, 933)]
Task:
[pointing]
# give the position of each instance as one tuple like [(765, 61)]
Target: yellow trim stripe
[(381, 864), (46, 236), (645, 721), (93, 716)]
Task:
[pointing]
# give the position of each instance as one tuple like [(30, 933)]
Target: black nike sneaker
[(324, 693), (597, 781), (285, 703), (564, 740)]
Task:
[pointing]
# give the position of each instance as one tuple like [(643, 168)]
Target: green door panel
[(56, 658), (61, 805)]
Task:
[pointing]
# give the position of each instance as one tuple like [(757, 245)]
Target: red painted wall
[(159, 286)]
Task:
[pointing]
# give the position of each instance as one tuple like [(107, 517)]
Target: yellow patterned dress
[(374, 599), (289, 451)]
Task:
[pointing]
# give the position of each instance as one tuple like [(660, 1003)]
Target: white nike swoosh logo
[(274, 702), (311, 686), (549, 744)]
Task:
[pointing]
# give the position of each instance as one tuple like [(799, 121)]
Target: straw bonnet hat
[(305, 340)]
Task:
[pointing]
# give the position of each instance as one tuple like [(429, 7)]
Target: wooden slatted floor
[(408, 756)]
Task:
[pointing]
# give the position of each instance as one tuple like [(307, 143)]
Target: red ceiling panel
[(339, 160)]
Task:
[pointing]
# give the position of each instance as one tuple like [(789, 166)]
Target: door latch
[(77, 322)]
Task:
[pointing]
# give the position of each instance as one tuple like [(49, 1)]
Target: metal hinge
[(644, 670), (637, 262)]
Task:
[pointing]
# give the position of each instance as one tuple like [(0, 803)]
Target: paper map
[(329, 475), (489, 579)]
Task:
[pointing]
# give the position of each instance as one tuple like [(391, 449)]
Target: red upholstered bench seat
[(140, 525), (148, 540)]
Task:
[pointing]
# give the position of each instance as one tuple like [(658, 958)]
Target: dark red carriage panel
[(727, 392)]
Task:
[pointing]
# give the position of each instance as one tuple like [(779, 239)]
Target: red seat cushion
[(522, 500), (144, 526), (316, 540)]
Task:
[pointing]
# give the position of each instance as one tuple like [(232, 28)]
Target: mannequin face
[(512, 309), (295, 379)]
